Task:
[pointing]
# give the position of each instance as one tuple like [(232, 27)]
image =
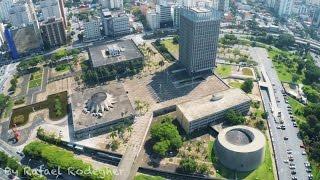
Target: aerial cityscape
[(160, 89)]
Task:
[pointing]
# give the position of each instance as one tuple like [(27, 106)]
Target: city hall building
[(197, 114)]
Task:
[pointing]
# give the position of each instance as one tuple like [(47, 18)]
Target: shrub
[(188, 165)]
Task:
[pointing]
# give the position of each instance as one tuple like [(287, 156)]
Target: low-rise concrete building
[(115, 23), (200, 113)]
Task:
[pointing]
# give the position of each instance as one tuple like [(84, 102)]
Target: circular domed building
[(240, 148), (99, 102)]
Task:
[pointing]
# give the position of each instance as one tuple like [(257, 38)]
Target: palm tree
[(113, 135)]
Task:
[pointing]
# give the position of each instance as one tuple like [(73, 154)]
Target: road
[(281, 146)]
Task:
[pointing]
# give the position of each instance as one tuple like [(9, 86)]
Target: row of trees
[(166, 136), (229, 39), (4, 103), (283, 41), (234, 117)]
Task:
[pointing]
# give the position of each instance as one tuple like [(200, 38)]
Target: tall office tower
[(112, 4), (20, 14), (176, 16), (199, 33), (5, 6), (285, 8), (165, 15), (153, 19), (52, 8), (53, 32)]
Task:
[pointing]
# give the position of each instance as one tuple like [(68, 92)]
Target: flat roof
[(121, 109), (99, 58), (209, 105)]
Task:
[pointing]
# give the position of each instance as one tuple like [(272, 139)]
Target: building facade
[(285, 8), (20, 14), (200, 113), (116, 24), (199, 33), (92, 29), (112, 4), (53, 32), (153, 20), (166, 19), (52, 9), (5, 6)]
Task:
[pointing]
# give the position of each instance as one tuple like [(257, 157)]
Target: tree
[(58, 107), (4, 101), (284, 41), (247, 86), (311, 94), (115, 145), (203, 168), (188, 165), (175, 39), (166, 136), (295, 78), (234, 117)]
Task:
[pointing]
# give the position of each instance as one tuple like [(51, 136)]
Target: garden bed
[(20, 116), (35, 79)]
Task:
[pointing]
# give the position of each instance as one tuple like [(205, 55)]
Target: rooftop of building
[(212, 104), (121, 107), (100, 54), (241, 139)]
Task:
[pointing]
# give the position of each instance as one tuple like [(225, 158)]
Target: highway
[(281, 146)]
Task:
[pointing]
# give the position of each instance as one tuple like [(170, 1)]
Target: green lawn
[(147, 177), (63, 68), (297, 109), (247, 72), (35, 79), (264, 171), (8, 110), (284, 72), (235, 84), (223, 70), (172, 48)]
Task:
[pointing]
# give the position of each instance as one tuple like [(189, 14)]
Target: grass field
[(284, 72), (63, 68), (264, 171), (172, 48), (235, 84), (297, 109), (35, 79), (247, 72), (223, 70), (147, 177)]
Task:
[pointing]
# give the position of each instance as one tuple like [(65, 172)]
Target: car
[(293, 172), (290, 112), (285, 161), (308, 170), (290, 159), (278, 127), (310, 176), (304, 153), (287, 101), (294, 178), (285, 138), (292, 167), (289, 152), (295, 124), (307, 164), (302, 146), (292, 164)]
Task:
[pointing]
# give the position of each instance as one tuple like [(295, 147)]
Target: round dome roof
[(238, 137), (98, 97)]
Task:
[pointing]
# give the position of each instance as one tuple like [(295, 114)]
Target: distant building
[(199, 33), (271, 4), (53, 32), (316, 18), (5, 6), (203, 112), (112, 4), (53, 8), (2, 37), (284, 7), (176, 16), (115, 23), (92, 29), (153, 19), (166, 19), (20, 14)]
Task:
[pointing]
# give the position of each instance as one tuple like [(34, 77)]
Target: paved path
[(140, 130)]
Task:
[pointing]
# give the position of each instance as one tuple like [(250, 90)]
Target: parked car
[(304, 153), (285, 138)]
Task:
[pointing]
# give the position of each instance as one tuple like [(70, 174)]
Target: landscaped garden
[(66, 161), (57, 104), (36, 79), (171, 46), (223, 70)]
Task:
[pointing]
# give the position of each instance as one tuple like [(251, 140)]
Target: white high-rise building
[(5, 6), (20, 14), (285, 8), (153, 19), (92, 29), (2, 38)]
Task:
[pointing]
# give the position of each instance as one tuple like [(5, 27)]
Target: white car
[(304, 153), (286, 161)]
